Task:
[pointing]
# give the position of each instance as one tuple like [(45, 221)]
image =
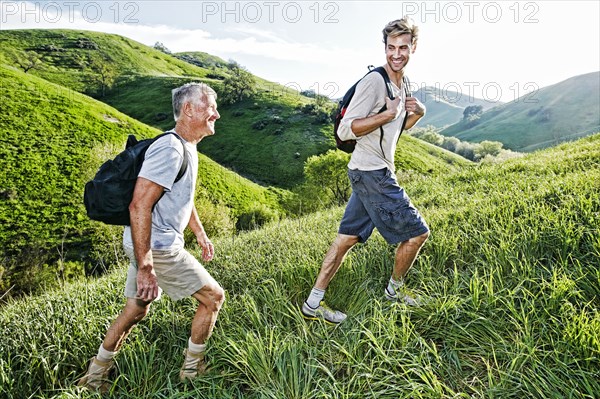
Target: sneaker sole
[(308, 317)]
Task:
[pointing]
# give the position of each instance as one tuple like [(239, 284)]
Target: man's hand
[(208, 250), (392, 108), (413, 105), (147, 285)]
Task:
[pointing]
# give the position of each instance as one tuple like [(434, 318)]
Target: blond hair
[(401, 27)]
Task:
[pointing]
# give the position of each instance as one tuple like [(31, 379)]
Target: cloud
[(238, 40)]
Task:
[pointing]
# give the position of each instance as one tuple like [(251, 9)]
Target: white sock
[(195, 348), (104, 355), (393, 286), (315, 298), (191, 357)]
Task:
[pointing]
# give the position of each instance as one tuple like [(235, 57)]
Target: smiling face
[(203, 117), (398, 50)]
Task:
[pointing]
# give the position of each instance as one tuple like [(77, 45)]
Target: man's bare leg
[(312, 309), (210, 300), (406, 253)]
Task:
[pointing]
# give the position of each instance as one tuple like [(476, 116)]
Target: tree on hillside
[(472, 111), (30, 61), (487, 147), (327, 173), (471, 115), (103, 74), (238, 85)]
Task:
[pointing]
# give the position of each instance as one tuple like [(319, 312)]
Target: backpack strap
[(407, 93), (184, 164), (132, 140), (390, 94)]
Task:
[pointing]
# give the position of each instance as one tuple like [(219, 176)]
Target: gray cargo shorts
[(378, 201)]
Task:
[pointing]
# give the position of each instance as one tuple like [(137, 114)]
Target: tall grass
[(510, 277)]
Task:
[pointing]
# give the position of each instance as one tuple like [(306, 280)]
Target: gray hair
[(195, 93)]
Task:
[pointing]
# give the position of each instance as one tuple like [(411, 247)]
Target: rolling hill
[(445, 107), (561, 112), (266, 138), (65, 56)]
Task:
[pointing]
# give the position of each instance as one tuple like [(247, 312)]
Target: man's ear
[(414, 47), (188, 109)]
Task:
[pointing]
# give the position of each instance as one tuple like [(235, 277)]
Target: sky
[(493, 50)]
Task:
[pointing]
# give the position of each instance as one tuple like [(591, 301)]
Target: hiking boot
[(403, 297), (191, 373), (96, 377), (322, 312)]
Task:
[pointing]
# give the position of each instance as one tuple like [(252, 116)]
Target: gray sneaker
[(322, 312), (403, 297)]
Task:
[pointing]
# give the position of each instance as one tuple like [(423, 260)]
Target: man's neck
[(183, 132), (395, 77)]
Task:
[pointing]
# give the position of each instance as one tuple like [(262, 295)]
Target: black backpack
[(108, 195), (349, 145)]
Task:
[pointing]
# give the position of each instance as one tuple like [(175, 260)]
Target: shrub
[(216, 219), (256, 216)]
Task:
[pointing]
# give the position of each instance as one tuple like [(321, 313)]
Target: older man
[(160, 211)]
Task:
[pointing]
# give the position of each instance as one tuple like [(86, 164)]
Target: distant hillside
[(66, 56), (561, 112), (266, 138), (53, 140), (269, 154), (446, 107), (203, 60)]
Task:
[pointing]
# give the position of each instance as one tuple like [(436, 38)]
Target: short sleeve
[(163, 161)]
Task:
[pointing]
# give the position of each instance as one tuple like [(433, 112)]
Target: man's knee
[(346, 241), (135, 310), (219, 297), (211, 296), (420, 240)]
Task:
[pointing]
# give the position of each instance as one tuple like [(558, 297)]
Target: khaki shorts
[(178, 272)]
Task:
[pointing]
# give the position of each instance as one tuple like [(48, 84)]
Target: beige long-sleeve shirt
[(368, 99)]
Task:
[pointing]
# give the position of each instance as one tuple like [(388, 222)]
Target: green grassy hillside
[(414, 155), (510, 278), (561, 112), (201, 59), (53, 140), (142, 90), (266, 138), (65, 54), (445, 107)]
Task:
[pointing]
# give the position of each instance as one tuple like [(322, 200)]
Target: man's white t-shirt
[(172, 212), (368, 99)]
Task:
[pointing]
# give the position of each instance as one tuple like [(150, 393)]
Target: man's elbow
[(138, 208), (346, 131)]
